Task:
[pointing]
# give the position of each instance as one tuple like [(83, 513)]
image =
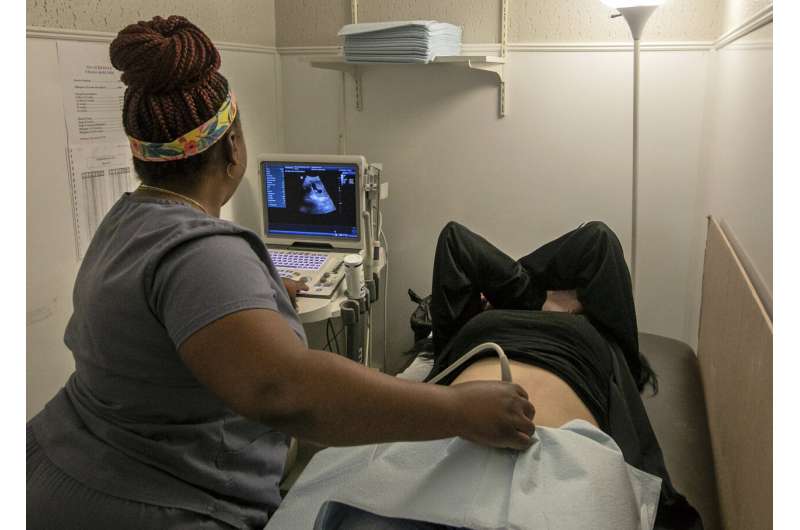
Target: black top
[(570, 347)]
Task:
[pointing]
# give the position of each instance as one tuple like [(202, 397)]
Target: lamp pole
[(635, 170), (636, 16)]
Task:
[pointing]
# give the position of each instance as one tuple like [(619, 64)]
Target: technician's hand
[(495, 413), (293, 287)]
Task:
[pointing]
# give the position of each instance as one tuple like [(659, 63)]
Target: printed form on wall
[(98, 156)]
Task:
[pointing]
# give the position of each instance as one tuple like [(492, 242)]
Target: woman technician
[(191, 366)]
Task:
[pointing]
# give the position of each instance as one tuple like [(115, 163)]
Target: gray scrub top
[(132, 420)]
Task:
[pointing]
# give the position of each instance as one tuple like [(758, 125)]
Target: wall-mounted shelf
[(493, 64), (488, 63)]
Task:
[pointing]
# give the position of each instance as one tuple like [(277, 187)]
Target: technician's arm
[(256, 364)]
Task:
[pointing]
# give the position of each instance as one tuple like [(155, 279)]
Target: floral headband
[(193, 142)]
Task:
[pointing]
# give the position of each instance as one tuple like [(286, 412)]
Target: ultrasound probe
[(505, 368)]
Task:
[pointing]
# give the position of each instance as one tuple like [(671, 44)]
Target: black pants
[(588, 259), (597, 354)]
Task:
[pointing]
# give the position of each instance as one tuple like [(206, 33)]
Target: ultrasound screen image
[(316, 200), (311, 200)]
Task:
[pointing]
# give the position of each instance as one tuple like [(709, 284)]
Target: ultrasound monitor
[(312, 199)]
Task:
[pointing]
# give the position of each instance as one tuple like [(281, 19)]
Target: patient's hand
[(494, 413), (562, 302)]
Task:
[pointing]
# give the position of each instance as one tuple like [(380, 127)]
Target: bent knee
[(452, 227), (600, 229), (598, 226)]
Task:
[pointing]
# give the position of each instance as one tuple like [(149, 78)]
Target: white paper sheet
[(415, 41), (99, 159), (99, 175)]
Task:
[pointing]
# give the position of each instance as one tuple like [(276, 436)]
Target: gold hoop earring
[(228, 170)]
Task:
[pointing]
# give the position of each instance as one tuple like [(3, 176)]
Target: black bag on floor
[(421, 317)]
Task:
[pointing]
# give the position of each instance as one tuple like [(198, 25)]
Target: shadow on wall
[(245, 205)]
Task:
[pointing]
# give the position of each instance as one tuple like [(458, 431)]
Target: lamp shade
[(636, 12)]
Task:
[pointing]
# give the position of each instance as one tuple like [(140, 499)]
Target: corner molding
[(757, 20), (654, 46), (309, 50), (748, 268), (526, 47), (38, 32), (482, 49)]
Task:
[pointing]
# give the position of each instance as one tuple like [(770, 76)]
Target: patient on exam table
[(565, 317)]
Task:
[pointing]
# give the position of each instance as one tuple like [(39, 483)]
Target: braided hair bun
[(171, 70), (164, 55), (170, 67)]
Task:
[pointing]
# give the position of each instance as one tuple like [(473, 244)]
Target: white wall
[(255, 77), (736, 167), (738, 171), (703, 113), (50, 243), (315, 22), (561, 156), (671, 141), (51, 260)]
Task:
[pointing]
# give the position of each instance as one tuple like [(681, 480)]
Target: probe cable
[(505, 368)]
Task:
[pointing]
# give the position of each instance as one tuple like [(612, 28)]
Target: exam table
[(678, 416), (677, 413)]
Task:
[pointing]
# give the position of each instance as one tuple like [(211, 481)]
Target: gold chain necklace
[(176, 194)]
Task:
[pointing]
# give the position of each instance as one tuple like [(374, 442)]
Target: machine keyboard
[(310, 261)]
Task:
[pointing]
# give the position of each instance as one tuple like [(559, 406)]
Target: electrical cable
[(327, 333), (505, 367), (368, 341), (385, 291), (336, 338), (329, 329)]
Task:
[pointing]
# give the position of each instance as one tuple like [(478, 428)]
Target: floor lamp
[(636, 13)]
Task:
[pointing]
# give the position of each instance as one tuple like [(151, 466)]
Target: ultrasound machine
[(313, 216)]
